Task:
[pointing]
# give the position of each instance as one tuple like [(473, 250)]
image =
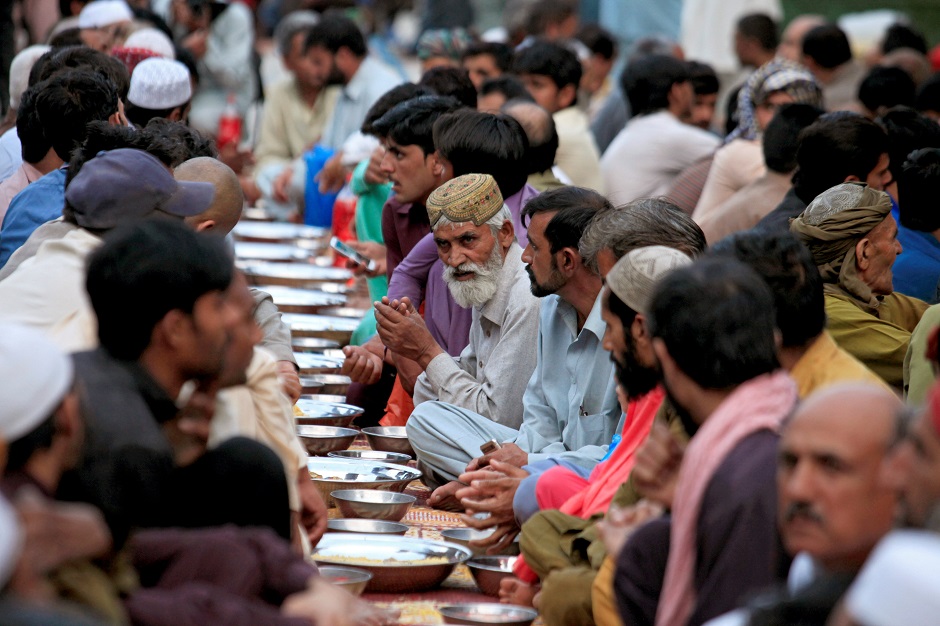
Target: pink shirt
[(24, 175)]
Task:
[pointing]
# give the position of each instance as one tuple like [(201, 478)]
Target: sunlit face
[(614, 341), (411, 171), (473, 260), (544, 91), (541, 265), (882, 251), (481, 67), (832, 501)]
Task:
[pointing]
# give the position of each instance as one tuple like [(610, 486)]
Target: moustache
[(803, 510)]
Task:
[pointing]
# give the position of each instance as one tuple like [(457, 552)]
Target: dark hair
[(21, 450), (139, 116), (67, 38), (82, 58), (717, 320), (787, 266), (539, 127), (703, 78), (29, 127), (451, 81), (648, 80), (903, 36), (761, 28), (334, 32), (907, 131), (731, 110), (836, 146), (508, 85), (411, 123), (483, 143), (928, 95), (69, 101), (392, 97), (641, 223), (146, 269), (184, 56), (886, 87), (598, 41), (575, 206), (546, 58), (919, 187), (828, 46), (547, 12), (781, 137), (501, 53), (810, 605), (189, 141)]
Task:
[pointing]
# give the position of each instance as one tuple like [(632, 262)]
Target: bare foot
[(514, 591), (445, 498)]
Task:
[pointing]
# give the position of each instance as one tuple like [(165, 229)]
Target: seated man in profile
[(476, 241)]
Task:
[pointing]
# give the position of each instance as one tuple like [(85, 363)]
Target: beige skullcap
[(634, 277), (468, 198)]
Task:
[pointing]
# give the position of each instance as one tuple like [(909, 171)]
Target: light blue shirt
[(370, 82), (40, 202), (11, 156), (571, 409)]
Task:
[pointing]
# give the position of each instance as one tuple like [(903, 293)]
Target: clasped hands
[(404, 332), (491, 491)]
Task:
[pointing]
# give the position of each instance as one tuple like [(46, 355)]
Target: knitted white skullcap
[(153, 40), (104, 13), (634, 277), (19, 71), (160, 84), (34, 377)]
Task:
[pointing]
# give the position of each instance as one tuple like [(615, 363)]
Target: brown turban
[(832, 225)]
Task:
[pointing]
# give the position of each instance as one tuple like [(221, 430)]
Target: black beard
[(635, 379), (540, 291)]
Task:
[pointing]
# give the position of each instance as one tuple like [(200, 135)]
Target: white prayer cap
[(34, 377), (898, 584), (153, 40), (19, 71), (634, 277), (102, 13), (158, 84)]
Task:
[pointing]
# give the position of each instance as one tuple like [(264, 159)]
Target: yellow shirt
[(288, 125), (825, 364), (880, 342)]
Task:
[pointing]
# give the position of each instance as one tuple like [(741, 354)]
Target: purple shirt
[(420, 277)]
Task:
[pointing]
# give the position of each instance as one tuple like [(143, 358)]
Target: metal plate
[(359, 471), (490, 613), (292, 274), (276, 231), (312, 344), (311, 363), (296, 300), (312, 406), (278, 252)]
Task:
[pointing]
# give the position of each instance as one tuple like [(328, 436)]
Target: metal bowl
[(326, 397), (389, 439), (316, 412), (463, 536), (311, 364), (338, 474), (346, 311), (339, 329), (312, 344), (276, 232), (367, 526), (332, 384), (397, 564), (488, 613), (321, 440), (371, 504), (488, 571), (309, 386), (304, 275), (349, 578), (271, 252), (297, 300), (372, 455)]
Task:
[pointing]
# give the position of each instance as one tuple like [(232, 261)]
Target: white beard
[(482, 287)]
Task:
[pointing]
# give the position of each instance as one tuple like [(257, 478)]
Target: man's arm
[(411, 276)]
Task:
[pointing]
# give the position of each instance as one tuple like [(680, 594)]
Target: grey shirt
[(490, 375)]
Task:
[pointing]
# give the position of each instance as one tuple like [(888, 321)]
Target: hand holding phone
[(345, 250), (490, 447)]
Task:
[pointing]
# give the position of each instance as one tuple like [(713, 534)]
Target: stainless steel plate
[(276, 231), (280, 252), (291, 274)]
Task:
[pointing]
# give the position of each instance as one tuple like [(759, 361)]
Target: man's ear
[(566, 96), (863, 253), (506, 234), (568, 261), (205, 225), (172, 327), (852, 178), (638, 328), (437, 163)]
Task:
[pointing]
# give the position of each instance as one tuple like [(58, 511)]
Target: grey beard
[(482, 287)]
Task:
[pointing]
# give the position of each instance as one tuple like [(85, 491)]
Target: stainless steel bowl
[(321, 440), (332, 384), (492, 613), (464, 536), (389, 439), (311, 364), (372, 455), (304, 275), (302, 300), (339, 329), (371, 504), (312, 344), (316, 412), (368, 526), (337, 474), (349, 578), (309, 386), (488, 571), (397, 564), (346, 311), (326, 397)]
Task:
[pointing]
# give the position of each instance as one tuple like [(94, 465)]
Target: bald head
[(833, 503), (540, 130), (226, 207)]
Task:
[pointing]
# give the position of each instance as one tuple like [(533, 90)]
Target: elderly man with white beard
[(476, 241)]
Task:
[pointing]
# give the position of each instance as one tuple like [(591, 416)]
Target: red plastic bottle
[(230, 124)]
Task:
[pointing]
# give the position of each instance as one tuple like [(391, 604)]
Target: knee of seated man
[(566, 597)]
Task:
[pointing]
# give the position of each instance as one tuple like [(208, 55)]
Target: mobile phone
[(349, 253), (490, 447)]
